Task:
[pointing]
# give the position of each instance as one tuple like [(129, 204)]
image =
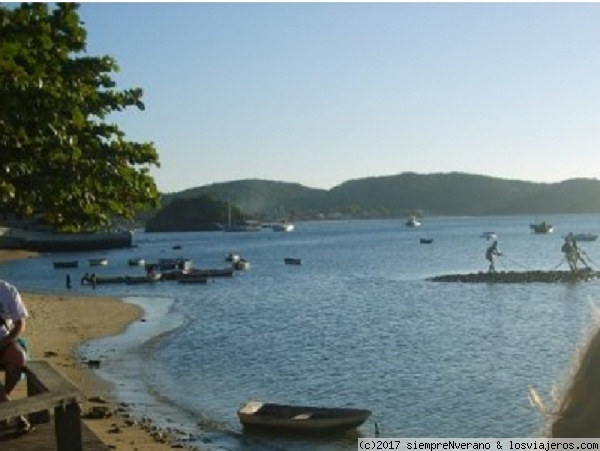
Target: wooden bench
[(47, 390)]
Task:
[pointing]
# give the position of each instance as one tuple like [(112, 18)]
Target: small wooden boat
[(241, 265), (167, 264), (98, 261), (66, 264), (149, 278), (425, 240), (292, 261), (100, 280), (256, 414), (214, 272), (136, 262)]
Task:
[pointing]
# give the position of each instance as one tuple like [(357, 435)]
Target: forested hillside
[(389, 196)]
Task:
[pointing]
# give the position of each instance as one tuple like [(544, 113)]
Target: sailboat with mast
[(283, 225), (243, 226)]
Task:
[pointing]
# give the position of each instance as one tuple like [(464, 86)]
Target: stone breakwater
[(520, 277)]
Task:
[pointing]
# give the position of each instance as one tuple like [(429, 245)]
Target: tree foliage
[(59, 156)]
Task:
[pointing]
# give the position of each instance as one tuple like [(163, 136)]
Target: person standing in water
[(491, 253)]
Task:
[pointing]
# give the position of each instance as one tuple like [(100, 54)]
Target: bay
[(357, 324)]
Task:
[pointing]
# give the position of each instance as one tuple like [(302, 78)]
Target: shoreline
[(57, 327)]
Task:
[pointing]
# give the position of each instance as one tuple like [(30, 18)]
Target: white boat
[(282, 227), (232, 257), (98, 261), (412, 222), (581, 236), (311, 420)]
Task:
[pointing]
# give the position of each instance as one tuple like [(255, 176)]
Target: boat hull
[(63, 265), (268, 416), (11, 238)]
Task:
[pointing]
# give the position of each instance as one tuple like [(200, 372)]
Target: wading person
[(490, 254)]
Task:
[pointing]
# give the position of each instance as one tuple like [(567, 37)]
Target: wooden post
[(67, 427)]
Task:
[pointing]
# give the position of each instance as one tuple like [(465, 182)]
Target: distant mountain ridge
[(435, 194)]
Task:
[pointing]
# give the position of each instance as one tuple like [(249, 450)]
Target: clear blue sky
[(320, 93)]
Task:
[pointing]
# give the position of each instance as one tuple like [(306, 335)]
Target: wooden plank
[(31, 404), (45, 375)]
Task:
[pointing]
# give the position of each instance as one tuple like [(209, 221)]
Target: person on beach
[(491, 253), (13, 355)]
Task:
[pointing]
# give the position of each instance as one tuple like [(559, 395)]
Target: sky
[(322, 93)]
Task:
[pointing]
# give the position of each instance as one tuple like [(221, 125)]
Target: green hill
[(379, 197)]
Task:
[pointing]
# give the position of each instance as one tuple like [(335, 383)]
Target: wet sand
[(56, 327)]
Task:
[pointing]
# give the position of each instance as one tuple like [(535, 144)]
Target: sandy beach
[(56, 327)]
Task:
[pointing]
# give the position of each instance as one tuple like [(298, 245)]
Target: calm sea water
[(357, 324)]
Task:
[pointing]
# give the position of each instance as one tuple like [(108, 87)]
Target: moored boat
[(241, 265), (232, 257), (283, 227), (66, 264), (412, 222), (255, 414), (542, 227), (425, 240), (149, 278), (98, 261), (581, 236), (136, 262), (244, 226), (100, 280), (210, 272), (292, 261)]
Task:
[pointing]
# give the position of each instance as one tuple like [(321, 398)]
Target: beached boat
[(98, 261), (542, 227), (307, 419), (581, 236), (292, 261), (66, 264), (136, 262)]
